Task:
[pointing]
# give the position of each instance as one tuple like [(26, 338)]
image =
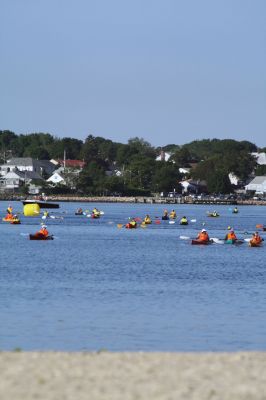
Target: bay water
[(100, 286)]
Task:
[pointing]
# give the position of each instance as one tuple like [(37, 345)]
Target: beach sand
[(106, 375)]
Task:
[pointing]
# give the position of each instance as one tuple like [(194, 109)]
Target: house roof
[(23, 161), (258, 180), (72, 163), (260, 158)]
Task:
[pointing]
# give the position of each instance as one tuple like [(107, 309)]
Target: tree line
[(131, 168)]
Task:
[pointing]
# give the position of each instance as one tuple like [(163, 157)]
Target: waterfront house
[(257, 185)]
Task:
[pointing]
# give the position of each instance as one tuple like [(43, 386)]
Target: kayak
[(39, 236), (184, 223), (95, 215), (11, 220), (212, 215), (79, 213), (129, 226), (197, 241), (165, 217), (15, 221), (146, 222), (232, 241), (252, 244)]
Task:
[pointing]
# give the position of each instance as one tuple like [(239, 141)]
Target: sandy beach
[(128, 376)]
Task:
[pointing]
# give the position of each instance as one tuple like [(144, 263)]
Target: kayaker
[(203, 236), (147, 219), (132, 223), (235, 210), (183, 221), (46, 214), (215, 214), (96, 212), (9, 209), (173, 214), (231, 236), (43, 231), (165, 215), (256, 239)]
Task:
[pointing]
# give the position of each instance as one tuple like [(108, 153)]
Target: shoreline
[(132, 375), (137, 200)]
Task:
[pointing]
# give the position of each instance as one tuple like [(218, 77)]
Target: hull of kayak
[(251, 244), (183, 223), (146, 222), (79, 213), (40, 237), (196, 241), (213, 216), (165, 218), (11, 221), (128, 226)]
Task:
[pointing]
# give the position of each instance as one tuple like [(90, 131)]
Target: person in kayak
[(96, 212), (147, 219), (231, 236), (256, 239), (173, 214), (165, 215), (235, 210), (43, 231), (9, 209), (215, 213), (203, 236), (183, 221)]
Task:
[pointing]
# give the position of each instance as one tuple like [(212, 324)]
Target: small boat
[(253, 244), (213, 215), (204, 242), (15, 221), (165, 218), (233, 241), (129, 226), (39, 236), (183, 223), (11, 220)]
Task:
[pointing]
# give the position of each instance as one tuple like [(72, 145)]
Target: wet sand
[(128, 376)]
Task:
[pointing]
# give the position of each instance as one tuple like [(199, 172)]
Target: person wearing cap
[(231, 236), (203, 236), (43, 231), (256, 239)]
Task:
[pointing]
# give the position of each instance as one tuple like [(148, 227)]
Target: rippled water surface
[(99, 286)]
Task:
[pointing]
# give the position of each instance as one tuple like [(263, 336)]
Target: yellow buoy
[(31, 210)]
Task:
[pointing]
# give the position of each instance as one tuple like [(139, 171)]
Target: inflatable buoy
[(31, 210)]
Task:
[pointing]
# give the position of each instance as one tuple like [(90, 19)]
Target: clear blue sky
[(170, 71)]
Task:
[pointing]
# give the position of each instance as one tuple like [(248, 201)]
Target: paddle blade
[(184, 237), (138, 219), (171, 222), (119, 226), (193, 220), (157, 222), (259, 226)]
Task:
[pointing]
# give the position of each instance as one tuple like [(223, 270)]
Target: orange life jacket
[(231, 236), (203, 236)]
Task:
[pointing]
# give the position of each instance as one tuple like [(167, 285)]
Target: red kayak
[(39, 236), (197, 241)]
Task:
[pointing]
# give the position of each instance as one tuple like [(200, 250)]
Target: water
[(97, 286)]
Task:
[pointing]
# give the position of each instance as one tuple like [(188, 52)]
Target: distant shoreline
[(136, 199)]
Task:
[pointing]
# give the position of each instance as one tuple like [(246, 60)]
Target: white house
[(258, 184), (163, 156), (260, 158), (56, 178), (234, 180)]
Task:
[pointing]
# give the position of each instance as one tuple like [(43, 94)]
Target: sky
[(168, 71)]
